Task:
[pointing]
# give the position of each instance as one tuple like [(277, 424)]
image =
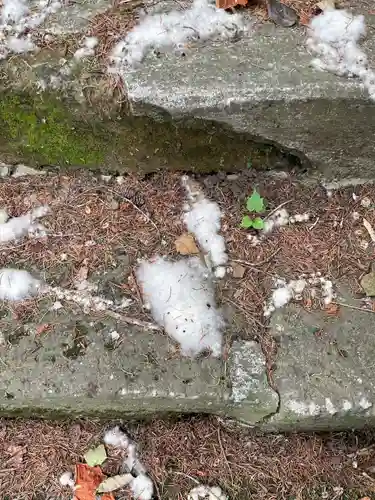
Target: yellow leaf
[(115, 483), (185, 245)]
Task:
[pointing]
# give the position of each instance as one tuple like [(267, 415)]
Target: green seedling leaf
[(249, 164), (255, 203), (258, 223), (96, 456), (246, 222)]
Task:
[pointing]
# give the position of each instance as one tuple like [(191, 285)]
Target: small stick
[(369, 228), (133, 321), (136, 207), (266, 261), (341, 304), (277, 208)]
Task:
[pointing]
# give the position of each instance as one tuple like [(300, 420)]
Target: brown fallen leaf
[(40, 329), (326, 4), (82, 272), (115, 483), (185, 245), (332, 309), (229, 4), (87, 481)]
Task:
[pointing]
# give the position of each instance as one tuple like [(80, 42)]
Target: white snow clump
[(334, 38), (173, 30), (210, 493), (17, 227), (141, 486), (202, 218), (181, 298), (16, 21), (292, 290), (87, 49), (17, 284)]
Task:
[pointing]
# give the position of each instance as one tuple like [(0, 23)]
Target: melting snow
[(181, 298), (210, 493), (334, 39), (203, 219), (173, 30), (17, 284), (17, 227)]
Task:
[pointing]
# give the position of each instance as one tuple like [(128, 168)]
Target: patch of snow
[(174, 30), (365, 403), (17, 227), (88, 48), (330, 406), (203, 219), (3, 216), (302, 408), (366, 202), (23, 170), (67, 479), (347, 405), (84, 298), (17, 284), (208, 492), (17, 20), (113, 335), (285, 291), (182, 301), (142, 487), (117, 438), (334, 38)]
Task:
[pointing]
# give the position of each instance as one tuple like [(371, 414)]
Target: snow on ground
[(17, 227), (334, 39), (174, 30), (181, 298)]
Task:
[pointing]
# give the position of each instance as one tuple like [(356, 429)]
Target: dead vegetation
[(181, 453)]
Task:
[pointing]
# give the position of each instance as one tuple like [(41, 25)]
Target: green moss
[(44, 130)]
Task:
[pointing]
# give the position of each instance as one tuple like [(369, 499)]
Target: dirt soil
[(180, 453)]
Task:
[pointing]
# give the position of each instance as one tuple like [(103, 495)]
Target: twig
[(244, 311), (277, 208), (266, 261), (341, 304), (224, 455), (187, 475), (369, 228), (136, 207), (133, 321)]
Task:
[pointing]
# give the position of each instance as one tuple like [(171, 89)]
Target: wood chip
[(238, 271)]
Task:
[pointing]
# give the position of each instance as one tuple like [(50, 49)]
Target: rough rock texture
[(324, 368), (216, 108), (64, 364)]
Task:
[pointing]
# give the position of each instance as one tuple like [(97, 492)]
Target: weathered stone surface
[(214, 109), (324, 368), (263, 85), (63, 364), (250, 392)]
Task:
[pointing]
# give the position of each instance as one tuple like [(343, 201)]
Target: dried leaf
[(229, 4), (16, 458), (238, 271), (96, 456), (332, 309), (326, 4), (82, 273), (87, 481), (115, 483), (305, 19), (40, 329), (185, 245)]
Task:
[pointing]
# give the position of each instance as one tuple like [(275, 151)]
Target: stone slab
[(324, 368), (263, 85), (75, 368)]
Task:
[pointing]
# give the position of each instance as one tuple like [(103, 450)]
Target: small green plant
[(249, 164), (254, 203)]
